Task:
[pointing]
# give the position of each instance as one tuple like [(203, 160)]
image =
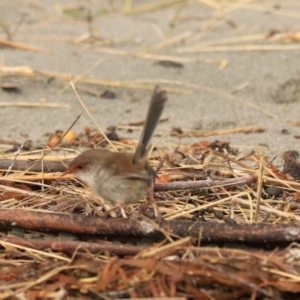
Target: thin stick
[(259, 185)]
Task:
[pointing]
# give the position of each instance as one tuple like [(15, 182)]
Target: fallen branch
[(191, 185), (212, 232), (34, 165), (72, 246)]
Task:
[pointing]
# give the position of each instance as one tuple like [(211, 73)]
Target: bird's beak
[(68, 171)]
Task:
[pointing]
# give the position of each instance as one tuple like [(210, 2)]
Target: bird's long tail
[(156, 106)]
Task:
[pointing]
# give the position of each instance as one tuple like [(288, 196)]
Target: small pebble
[(274, 192)]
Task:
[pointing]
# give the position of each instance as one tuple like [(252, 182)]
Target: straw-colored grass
[(86, 264)]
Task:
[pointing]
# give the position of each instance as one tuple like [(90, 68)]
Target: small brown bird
[(121, 178)]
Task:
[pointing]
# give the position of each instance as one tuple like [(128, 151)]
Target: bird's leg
[(154, 206)]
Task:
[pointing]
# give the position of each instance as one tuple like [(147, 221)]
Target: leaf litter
[(204, 183)]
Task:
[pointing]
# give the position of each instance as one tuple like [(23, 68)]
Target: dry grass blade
[(169, 42), (21, 46), (215, 132), (151, 7), (259, 186), (42, 253), (201, 207), (32, 104), (47, 151), (270, 210), (45, 277), (272, 10), (222, 41), (165, 249), (160, 57), (95, 65), (29, 72), (91, 117), (239, 48)]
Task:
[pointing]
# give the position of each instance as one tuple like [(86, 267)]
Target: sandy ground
[(264, 82)]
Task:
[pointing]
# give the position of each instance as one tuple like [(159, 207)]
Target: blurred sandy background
[(226, 64)]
